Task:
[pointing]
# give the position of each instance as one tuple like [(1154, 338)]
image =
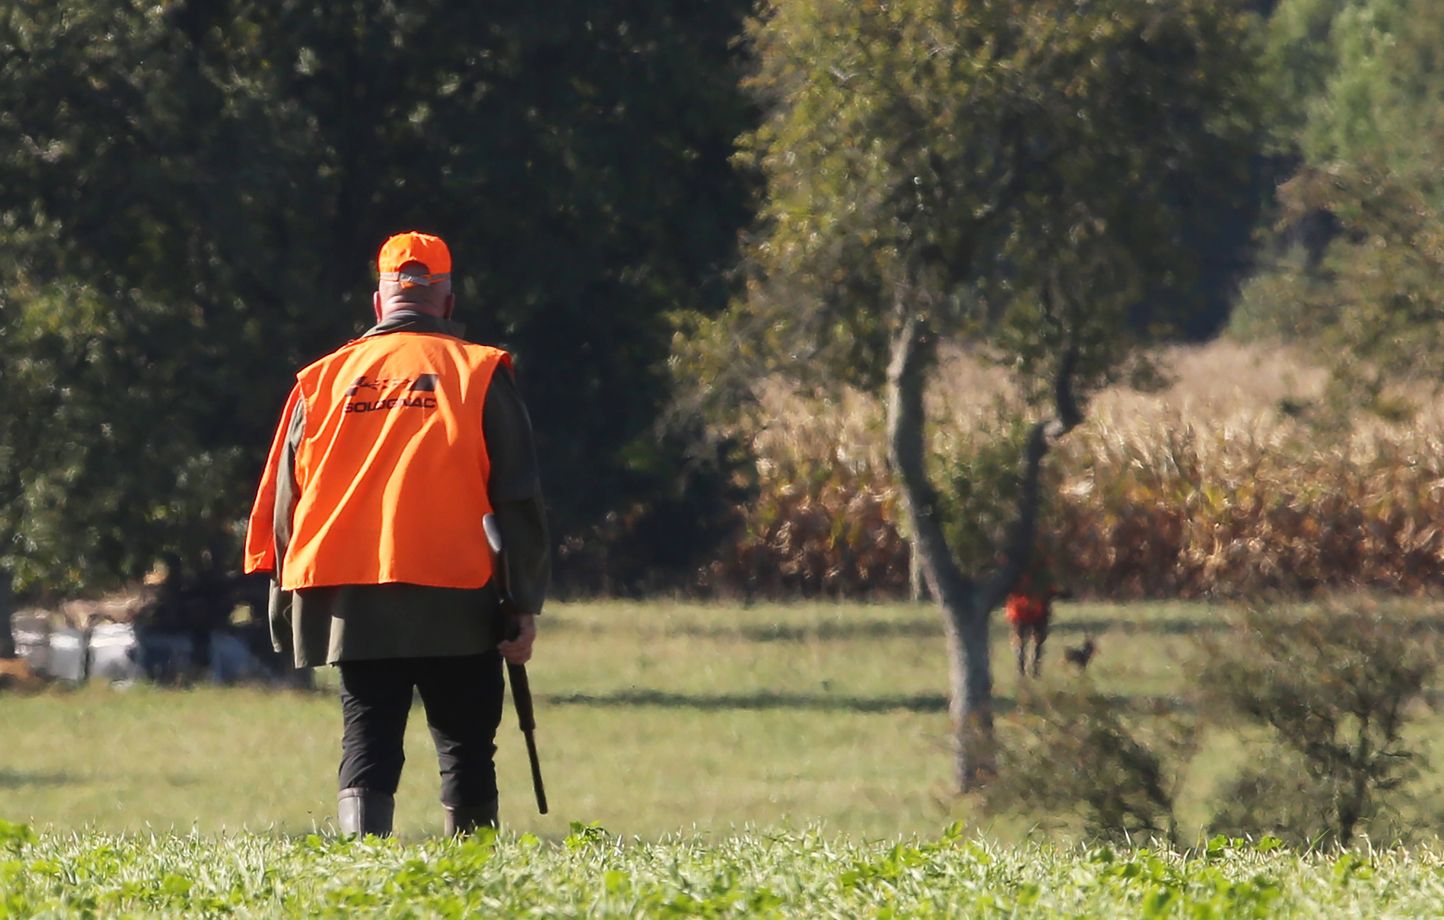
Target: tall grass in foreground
[(591, 874), (1215, 485)]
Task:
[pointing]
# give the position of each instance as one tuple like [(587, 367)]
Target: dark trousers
[(462, 696)]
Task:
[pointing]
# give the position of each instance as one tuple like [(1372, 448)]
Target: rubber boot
[(461, 820), (361, 811)]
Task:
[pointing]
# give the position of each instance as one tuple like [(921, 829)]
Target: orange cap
[(412, 246)]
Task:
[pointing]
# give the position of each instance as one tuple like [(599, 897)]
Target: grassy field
[(591, 874), (767, 759), (655, 718)]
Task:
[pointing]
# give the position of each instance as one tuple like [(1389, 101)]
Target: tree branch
[(1067, 415)]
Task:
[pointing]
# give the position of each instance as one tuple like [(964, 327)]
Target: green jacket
[(359, 622)]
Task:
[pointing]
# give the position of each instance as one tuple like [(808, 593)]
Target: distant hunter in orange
[(1029, 609)]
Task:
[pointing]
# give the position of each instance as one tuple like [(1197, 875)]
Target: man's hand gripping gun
[(516, 673)]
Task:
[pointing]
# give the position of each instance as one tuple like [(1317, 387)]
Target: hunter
[(389, 452)]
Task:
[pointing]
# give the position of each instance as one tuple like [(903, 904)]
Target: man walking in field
[(1029, 609), (369, 516)]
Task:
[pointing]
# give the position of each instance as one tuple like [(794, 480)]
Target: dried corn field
[(1213, 485)]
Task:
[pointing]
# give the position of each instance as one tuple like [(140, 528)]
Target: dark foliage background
[(192, 194)]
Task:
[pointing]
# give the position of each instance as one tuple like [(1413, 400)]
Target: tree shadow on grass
[(785, 632), (757, 701), (1062, 624), (861, 629), (910, 629), (764, 700), (13, 779)]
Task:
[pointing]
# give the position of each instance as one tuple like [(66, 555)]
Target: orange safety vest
[(392, 472), (1026, 609), (1026, 606)]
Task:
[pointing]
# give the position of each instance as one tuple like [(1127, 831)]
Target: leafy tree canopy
[(1014, 173), (191, 195), (1359, 81), (981, 162), (1356, 261)]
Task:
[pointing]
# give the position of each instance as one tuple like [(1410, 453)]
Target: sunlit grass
[(590, 873), (753, 761), (655, 718)]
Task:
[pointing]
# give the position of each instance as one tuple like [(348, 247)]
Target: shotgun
[(516, 673)]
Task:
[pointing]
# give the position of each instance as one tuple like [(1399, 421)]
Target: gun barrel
[(521, 696), (536, 777), (520, 686)]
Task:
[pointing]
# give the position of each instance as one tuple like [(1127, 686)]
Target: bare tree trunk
[(914, 354), (7, 610), (917, 584), (971, 704), (965, 602)]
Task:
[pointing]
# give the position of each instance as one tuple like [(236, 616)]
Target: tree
[(191, 194), (1013, 174), (1371, 297), (1074, 750), (1358, 80), (1335, 685), (1357, 260)]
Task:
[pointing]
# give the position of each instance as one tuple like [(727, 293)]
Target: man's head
[(415, 274)]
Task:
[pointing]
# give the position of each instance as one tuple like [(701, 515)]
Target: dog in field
[(1080, 655), (1029, 610)]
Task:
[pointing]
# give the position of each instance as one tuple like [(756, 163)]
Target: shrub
[(1073, 751), (1335, 684)]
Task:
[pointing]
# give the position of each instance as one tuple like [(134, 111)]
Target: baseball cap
[(411, 247)]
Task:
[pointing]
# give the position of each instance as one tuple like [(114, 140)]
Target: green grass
[(787, 760), (655, 718), (590, 873)]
